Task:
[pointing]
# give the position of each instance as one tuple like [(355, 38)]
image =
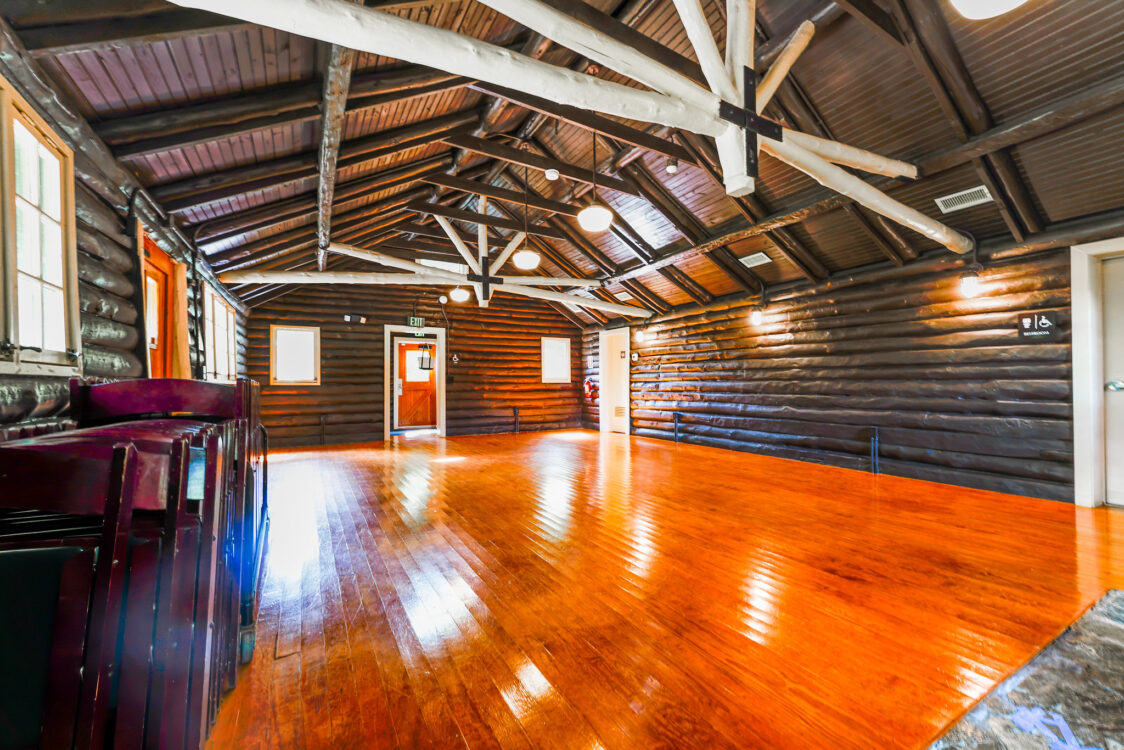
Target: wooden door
[(159, 292), (416, 388), (1114, 379), (615, 386)]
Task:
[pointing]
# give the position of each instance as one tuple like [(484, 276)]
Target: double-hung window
[(39, 332), (219, 338)]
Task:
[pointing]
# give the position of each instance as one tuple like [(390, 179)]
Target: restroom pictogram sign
[(1041, 325)]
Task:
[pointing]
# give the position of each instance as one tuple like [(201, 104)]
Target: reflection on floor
[(574, 590)]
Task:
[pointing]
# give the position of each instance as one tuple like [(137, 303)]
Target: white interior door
[(615, 385), (1114, 379)]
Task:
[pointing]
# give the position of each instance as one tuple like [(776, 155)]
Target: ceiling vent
[(622, 296), (964, 199), (756, 259)]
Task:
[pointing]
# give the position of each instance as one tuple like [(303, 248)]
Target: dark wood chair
[(64, 525)]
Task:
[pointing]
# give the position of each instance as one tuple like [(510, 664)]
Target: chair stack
[(129, 549)]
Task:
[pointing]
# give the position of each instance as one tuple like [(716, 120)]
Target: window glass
[(219, 337), (555, 360), (296, 355)]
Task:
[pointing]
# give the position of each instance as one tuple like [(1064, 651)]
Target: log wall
[(955, 394), (109, 289), (499, 366)]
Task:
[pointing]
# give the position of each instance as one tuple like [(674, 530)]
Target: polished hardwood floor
[(569, 590)]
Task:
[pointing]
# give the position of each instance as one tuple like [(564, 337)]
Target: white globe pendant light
[(459, 295), (596, 217), (976, 10), (525, 260)]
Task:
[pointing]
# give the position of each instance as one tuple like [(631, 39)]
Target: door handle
[(1114, 385)]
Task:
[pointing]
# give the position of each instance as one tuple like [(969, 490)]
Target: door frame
[(394, 342), (1087, 308), (605, 412), (388, 368)]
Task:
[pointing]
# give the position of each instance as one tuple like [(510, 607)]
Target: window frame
[(211, 298), (273, 328), (557, 379), (13, 359)]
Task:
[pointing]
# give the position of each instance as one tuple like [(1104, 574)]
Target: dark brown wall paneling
[(955, 394), (499, 367)]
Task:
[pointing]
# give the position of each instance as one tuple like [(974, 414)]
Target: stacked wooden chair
[(135, 540)]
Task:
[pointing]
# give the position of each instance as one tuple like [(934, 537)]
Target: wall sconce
[(970, 284)]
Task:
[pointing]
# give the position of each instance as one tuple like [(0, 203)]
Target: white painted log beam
[(458, 243), (850, 156), (799, 42), (548, 281), (731, 143), (573, 299), (392, 262), (741, 17), (845, 183), (368, 30), (328, 277), (508, 251)]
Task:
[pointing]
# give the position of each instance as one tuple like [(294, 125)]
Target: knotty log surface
[(499, 368), (956, 395)]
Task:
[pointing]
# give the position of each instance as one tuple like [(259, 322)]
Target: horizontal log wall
[(499, 366), (955, 394), (110, 295)]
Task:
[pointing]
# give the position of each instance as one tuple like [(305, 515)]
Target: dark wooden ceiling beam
[(823, 16), (472, 217), (646, 296), (874, 18), (260, 103), (523, 157), (333, 105), (934, 53), (1055, 116), (277, 212), (200, 190), (689, 286), (587, 121), (503, 194), (165, 25)]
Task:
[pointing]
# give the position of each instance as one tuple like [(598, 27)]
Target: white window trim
[(569, 378), (273, 352), (11, 363), (211, 298)]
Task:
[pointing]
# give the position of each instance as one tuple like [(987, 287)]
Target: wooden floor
[(569, 590)]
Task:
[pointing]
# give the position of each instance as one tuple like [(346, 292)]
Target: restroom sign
[(1039, 325)]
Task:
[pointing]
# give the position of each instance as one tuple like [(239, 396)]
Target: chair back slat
[(102, 402)]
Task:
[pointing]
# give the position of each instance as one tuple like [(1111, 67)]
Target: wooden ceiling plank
[(277, 212), (201, 190), (534, 161)]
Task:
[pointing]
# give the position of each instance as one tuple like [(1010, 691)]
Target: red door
[(417, 387)]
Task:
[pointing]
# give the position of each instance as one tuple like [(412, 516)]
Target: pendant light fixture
[(976, 10), (459, 295), (970, 284), (551, 174), (526, 259), (425, 361), (757, 314), (596, 217)]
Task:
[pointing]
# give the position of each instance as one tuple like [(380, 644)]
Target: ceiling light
[(970, 285), (672, 165), (525, 259), (979, 9), (551, 174), (596, 217), (757, 317), (459, 295)]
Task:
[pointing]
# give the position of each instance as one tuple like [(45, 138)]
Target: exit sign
[(415, 322)]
